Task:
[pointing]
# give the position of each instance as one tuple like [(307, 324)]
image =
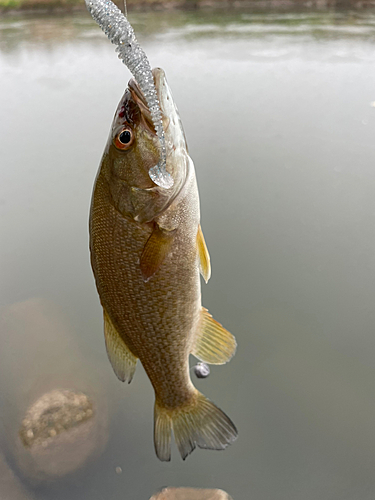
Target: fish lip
[(160, 82), (140, 99), (159, 77), (136, 91)]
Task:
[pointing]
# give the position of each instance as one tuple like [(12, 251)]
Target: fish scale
[(147, 298)]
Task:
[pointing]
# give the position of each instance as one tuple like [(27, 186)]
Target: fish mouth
[(140, 100)]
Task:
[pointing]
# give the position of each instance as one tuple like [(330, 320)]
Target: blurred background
[(278, 105)]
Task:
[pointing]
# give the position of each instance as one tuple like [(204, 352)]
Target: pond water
[(279, 114)]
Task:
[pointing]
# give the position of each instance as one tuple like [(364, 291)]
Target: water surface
[(279, 114)]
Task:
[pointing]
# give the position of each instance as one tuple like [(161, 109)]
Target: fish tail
[(199, 423), (162, 432)]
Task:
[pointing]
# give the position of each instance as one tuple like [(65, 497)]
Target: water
[(279, 116)]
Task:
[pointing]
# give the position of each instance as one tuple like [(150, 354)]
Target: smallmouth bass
[(147, 250)]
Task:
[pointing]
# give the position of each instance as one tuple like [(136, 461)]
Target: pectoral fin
[(122, 360), (214, 344), (156, 249), (204, 256)]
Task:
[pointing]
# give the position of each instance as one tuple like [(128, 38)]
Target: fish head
[(134, 148)]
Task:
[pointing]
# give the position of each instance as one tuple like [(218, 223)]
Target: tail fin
[(199, 424)]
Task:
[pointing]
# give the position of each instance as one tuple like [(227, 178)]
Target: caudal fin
[(199, 424)]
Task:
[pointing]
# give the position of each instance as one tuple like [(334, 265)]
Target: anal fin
[(214, 344), (204, 256), (122, 359), (162, 433)]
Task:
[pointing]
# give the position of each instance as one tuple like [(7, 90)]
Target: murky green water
[(279, 115)]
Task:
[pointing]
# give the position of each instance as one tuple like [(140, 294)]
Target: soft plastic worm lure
[(120, 32)]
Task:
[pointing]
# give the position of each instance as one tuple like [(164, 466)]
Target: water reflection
[(278, 116), (47, 31), (11, 486)]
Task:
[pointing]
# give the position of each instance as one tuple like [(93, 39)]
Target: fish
[(147, 253)]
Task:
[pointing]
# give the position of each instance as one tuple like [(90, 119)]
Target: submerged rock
[(54, 405), (191, 494), (54, 413), (59, 433)]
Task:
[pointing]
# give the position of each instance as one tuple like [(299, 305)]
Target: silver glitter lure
[(118, 29)]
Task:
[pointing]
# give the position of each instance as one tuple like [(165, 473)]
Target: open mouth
[(140, 100), (138, 96)]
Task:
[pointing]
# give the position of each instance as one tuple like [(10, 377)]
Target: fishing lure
[(120, 32), (201, 370)]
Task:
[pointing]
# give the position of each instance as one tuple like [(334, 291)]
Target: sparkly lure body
[(147, 250), (120, 32)]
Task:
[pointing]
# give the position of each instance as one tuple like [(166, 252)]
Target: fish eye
[(124, 139)]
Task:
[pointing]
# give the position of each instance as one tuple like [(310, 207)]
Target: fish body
[(147, 250)]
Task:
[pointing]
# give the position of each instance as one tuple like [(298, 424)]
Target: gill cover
[(133, 149)]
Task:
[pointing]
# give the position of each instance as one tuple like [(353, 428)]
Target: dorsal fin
[(204, 256), (214, 344), (156, 249), (122, 359)]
